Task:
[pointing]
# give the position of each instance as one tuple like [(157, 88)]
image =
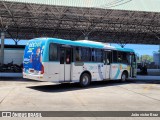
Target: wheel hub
[(85, 80)]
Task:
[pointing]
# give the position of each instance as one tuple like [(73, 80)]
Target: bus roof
[(84, 43)]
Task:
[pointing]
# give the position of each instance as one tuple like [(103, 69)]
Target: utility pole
[(3, 30), (2, 47), (159, 57)]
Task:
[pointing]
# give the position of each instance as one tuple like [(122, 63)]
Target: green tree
[(146, 58)]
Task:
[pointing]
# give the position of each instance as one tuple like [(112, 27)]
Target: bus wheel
[(85, 80), (123, 77)]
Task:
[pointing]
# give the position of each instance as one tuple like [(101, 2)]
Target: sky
[(140, 49)]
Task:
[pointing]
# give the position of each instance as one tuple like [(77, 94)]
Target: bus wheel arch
[(124, 76), (85, 79)]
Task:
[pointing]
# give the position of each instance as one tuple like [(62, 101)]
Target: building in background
[(13, 53), (156, 58)]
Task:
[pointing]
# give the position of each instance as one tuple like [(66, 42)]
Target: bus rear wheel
[(124, 77), (85, 80)]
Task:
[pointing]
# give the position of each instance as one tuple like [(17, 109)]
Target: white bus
[(58, 60)]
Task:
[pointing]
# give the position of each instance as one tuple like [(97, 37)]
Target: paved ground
[(27, 95)]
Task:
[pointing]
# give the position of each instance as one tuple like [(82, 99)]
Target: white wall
[(15, 55)]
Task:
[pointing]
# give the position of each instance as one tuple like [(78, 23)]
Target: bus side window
[(102, 54), (98, 55), (62, 55), (77, 54), (93, 55), (86, 54), (128, 58), (68, 56), (120, 57), (53, 52), (125, 58), (114, 54), (109, 58), (104, 57)]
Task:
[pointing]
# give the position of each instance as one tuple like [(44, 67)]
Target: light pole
[(3, 30), (2, 47), (159, 57)]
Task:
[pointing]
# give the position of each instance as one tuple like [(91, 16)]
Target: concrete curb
[(10, 74), (143, 77)]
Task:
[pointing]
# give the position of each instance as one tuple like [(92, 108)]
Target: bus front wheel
[(85, 80)]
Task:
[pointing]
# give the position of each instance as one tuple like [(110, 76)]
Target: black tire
[(85, 80), (124, 77)]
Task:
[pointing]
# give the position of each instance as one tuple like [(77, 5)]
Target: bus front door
[(65, 64), (107, 60), (133, 70)]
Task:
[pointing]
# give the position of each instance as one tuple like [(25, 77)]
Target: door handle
[(56, 73)]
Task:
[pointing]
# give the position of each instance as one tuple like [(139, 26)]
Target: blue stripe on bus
[(117, 74)]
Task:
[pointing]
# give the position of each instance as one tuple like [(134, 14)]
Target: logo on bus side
[(35, 44)]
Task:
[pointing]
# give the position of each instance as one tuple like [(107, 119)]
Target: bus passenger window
[(77, 54), (115, 56), (68, 56), (93, 55), (119, 57), (53, 52), (97, 55), (125, 57), (108, 59), (122, 57), (62, 56), (86, 54)]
